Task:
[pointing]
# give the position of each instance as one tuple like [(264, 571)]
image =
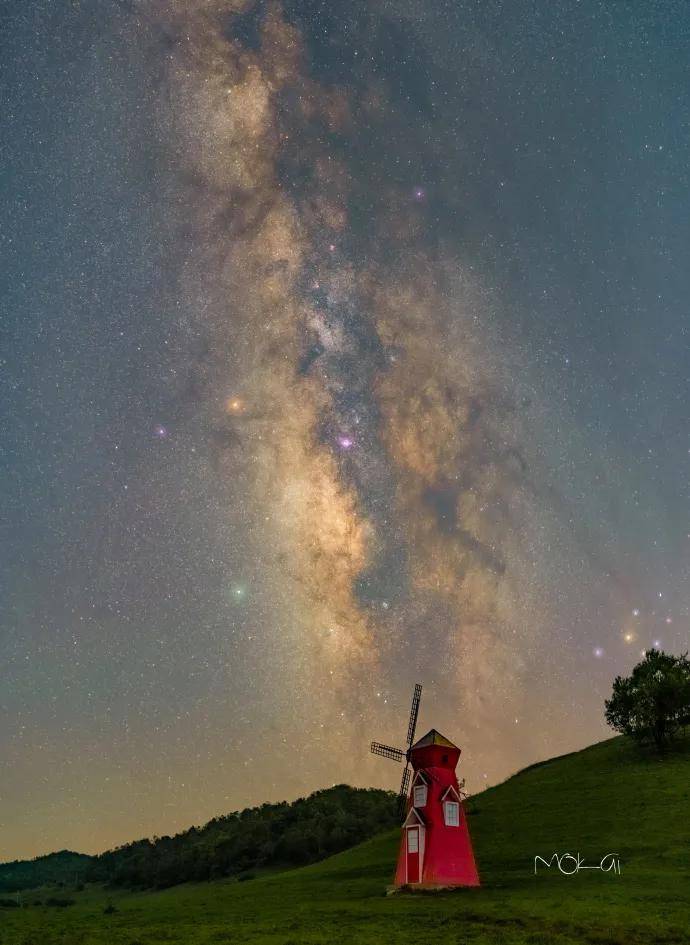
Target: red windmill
[(435, 847)]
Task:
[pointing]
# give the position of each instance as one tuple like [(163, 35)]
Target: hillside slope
[(64, 866), (273, 835), (607, 798)]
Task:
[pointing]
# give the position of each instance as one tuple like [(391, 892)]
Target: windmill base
[(424, 888)]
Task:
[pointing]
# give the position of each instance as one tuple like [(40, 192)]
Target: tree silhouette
[(654, 701)]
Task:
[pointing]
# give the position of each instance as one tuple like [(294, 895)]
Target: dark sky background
[(343, 347)]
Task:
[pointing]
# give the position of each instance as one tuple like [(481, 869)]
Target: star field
[(344, 347)]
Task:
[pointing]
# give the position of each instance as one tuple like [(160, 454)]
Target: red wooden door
[(413, 854)]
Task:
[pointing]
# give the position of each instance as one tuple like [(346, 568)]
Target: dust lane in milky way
[(367, 375)]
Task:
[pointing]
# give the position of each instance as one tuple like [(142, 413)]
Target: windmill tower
[(435, 846)]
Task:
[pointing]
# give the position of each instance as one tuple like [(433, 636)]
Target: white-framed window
[(413, 840), (451, 813), (419, 795)]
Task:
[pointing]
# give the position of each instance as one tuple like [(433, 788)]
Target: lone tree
[(654, 701)]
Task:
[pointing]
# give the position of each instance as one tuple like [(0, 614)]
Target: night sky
[(344, 346)]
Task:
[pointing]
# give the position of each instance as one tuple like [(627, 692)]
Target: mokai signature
[(569, 864)]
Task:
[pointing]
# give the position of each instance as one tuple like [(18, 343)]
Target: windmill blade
[(395, 754), (404, 788), (414, 712)]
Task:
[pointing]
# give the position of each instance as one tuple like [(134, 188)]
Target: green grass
[(607, 798)]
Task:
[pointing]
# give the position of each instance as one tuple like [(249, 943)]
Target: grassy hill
[(607, 798), (272, 835), (276, 836)]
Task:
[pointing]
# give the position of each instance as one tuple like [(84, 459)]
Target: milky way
[(378, 426), (373, 424)]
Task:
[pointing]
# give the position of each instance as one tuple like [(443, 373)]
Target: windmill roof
[(412, 815), (433, 738)]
